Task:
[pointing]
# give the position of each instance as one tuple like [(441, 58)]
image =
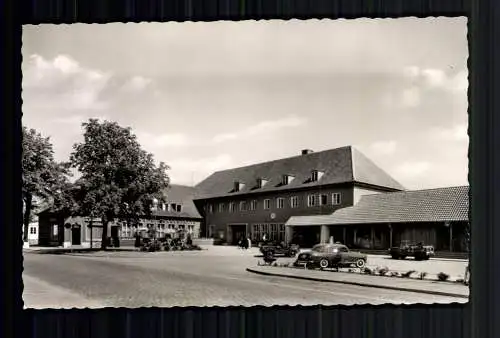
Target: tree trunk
[(104, 238), (28, 203)]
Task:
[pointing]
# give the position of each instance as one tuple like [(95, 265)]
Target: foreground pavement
[(38, 294), (200, 278)]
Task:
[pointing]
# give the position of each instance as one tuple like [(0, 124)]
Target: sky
[(211, 96)]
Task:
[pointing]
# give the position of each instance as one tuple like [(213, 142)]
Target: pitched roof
[(180, 194), (340, 165), (174, 193), (431, 205)]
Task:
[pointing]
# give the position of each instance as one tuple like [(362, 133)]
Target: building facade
[(258, 200), (438, 217), (178, 213)]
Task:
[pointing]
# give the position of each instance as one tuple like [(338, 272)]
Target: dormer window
[(174, 207), (286, 179), (261, 182), (316, 175), (238, 186)]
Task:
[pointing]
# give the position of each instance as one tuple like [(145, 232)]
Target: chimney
[(306, 151)]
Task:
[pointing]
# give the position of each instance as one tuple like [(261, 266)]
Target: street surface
[(199, 278)]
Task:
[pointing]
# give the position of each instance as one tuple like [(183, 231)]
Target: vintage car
[(279, 249), (417, 251), (331, 256)]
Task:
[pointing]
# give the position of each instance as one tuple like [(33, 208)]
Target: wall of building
[(164, 226), (217, 222), (50, 230)]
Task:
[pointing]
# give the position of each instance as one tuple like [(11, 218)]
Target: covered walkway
[(437, 217)]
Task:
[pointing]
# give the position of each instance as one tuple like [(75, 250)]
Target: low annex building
[(437, 217), (257, 200), (177, 213)]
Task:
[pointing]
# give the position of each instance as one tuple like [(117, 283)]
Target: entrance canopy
[(432, 205)]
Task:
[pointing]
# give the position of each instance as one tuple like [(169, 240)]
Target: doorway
[(306, 236), (236, 232), (76, 235)]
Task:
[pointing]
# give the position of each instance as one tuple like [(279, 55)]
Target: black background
[(480, 318)]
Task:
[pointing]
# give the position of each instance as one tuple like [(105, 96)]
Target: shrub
[(408, 274), (460, 280), (422, 275), (286, 265), (394, 274), (443, 276), (275, 264), (367, 271), (383, 271)]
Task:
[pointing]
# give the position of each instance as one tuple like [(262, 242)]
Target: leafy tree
[(42, 176), (119, 179)]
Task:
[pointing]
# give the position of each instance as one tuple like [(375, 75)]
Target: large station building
[(259, 199)]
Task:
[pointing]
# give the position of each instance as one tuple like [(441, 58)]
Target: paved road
[(132, 279)]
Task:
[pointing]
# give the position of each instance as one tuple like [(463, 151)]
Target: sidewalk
[(393, 283), (38, 294)]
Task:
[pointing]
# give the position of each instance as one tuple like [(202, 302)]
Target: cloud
[(383, 147), (149, 140), (410, 97), (262, 127), (456, 133), (438, 79), (420, 80), (75, 121), (137, 83), (190, 171), (460, 82), (224, 137), (410, 170), (62, 82)]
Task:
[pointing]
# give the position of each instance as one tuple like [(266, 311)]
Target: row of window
[(171, 207), (273, 232), (294, 202), (129, 232)]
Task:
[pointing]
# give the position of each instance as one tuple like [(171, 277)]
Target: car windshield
[(319, 248)]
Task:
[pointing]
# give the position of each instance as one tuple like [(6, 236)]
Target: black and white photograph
[(223, 163)]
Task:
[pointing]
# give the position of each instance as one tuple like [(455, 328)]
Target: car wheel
[(324, 263), (395, 256), (360, 263)]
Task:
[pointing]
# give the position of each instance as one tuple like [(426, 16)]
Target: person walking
[(137, 243)]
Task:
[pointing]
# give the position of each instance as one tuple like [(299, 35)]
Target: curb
[(72, 251), (314, 279)]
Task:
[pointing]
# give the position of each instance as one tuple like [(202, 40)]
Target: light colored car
[(331, 256)]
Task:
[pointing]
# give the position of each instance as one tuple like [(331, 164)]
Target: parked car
[(417, 251), (331, 256), (279, 249)]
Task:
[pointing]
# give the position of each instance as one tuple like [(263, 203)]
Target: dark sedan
[(331, 256)]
